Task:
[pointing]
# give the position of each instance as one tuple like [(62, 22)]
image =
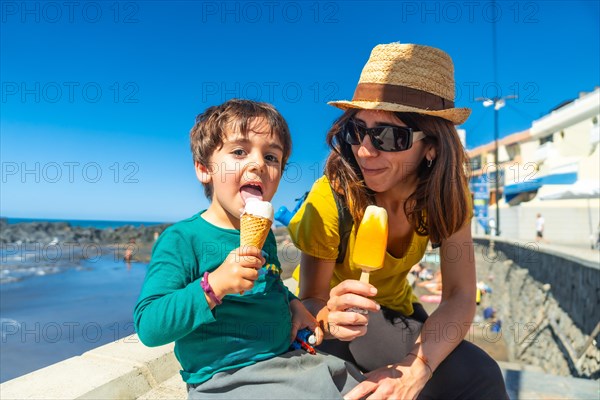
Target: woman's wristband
[(424, 361), (209, 290)]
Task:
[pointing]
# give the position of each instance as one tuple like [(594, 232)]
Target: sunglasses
[(384, 138)]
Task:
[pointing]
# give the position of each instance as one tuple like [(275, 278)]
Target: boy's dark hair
[(210, 129)]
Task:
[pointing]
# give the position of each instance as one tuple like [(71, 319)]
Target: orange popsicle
[(371, 241)]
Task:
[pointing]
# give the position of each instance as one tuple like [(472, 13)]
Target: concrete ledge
[(524, 250), (127, 369), (158, 363), (173, 388), (528, 384), (122, 370)]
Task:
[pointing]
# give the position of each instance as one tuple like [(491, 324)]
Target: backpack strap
[(345, 224)]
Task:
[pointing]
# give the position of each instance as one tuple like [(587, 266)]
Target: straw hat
[(407, 78)]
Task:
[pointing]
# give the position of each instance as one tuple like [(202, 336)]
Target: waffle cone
[(254, 230)]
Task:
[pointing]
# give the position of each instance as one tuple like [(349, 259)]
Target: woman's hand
[(344, 325), (302, 318), (330, 305), (404, 380)]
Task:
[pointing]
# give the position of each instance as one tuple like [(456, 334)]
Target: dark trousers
[(467, 373)]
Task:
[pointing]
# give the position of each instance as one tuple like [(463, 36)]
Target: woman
[(396, 147)]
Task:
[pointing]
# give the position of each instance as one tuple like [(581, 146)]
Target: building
[(552, 168)]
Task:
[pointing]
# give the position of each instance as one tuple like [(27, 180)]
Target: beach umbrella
[(581, 189)]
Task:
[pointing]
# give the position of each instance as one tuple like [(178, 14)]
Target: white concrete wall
[(122, 370), (589, 167), (567, 221), (575, 140)]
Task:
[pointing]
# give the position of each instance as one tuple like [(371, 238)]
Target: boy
[(233, 326)]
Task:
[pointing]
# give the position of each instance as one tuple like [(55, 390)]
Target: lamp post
[(498, 103)]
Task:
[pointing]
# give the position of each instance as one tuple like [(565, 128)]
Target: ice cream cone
[(254, 230), (255, 223)]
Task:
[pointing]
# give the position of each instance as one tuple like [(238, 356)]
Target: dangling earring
[(429, 163)]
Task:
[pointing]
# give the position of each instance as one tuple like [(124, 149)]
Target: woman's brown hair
[(441, 203)]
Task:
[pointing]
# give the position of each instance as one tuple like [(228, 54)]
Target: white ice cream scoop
[(259, 208)]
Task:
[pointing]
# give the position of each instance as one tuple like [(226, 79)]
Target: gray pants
[(385, 342), (467, 373), (293, 375)]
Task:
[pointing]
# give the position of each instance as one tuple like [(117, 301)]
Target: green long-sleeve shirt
[(243, 330)]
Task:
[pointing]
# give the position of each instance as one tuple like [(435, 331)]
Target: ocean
[(52, 310), (86, 223)]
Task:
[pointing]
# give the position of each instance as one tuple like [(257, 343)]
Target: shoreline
[(50, 318)]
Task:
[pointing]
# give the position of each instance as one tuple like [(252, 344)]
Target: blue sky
[(98, 97)]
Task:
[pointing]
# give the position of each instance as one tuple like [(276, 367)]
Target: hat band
[(400, 95)]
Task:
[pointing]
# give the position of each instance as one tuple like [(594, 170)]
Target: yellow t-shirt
[(314, 230)]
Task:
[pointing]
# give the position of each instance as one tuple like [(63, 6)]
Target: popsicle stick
[(364, 276)]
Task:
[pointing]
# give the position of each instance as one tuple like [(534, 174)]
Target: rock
[(546, 287), (45, 232)]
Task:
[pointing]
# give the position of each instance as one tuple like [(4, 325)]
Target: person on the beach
[(396, 146), (225, 306), (434, 286), (129, 252), (539, 228)]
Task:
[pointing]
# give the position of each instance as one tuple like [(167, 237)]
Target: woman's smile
[(372, 171)]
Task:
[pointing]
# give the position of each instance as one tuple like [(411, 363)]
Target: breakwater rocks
[(541, 326), (48, 232), (40, 248)]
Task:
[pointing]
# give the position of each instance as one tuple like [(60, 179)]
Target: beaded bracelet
[(209, 290), (424, 362)]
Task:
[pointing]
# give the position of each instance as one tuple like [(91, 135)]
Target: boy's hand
[(302, 318), (238, 272)]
